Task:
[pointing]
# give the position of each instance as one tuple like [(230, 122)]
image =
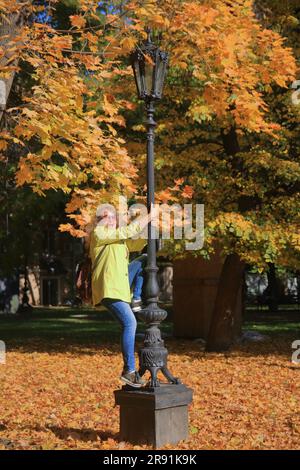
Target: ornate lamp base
[(153, 355)]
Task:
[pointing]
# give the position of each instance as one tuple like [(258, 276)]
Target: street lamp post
[(158, 413), (149, 65)]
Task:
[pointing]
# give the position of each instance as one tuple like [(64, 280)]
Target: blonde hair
[(104, 208)]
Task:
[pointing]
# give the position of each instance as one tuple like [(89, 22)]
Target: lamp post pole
[(158, 413), (152, 288), (153, 354)]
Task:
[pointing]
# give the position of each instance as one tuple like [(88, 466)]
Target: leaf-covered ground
[(58, 394)]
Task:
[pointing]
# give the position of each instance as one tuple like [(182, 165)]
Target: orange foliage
[(75, 111), (63, 399)]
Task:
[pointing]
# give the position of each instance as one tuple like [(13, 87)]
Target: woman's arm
[(105, 235)]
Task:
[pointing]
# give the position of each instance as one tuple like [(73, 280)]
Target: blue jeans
[(136, 275), (124, 315)]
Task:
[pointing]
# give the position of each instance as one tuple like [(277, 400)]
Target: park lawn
[(62, 366), (81, 326)]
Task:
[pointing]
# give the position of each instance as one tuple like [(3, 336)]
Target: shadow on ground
[(83, 434)]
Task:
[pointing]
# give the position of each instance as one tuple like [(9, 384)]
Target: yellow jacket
[(110, 275)]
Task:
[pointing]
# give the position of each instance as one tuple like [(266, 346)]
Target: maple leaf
[(188, 191), (78, 21)]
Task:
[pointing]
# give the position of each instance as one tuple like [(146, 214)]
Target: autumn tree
[(70, 139)]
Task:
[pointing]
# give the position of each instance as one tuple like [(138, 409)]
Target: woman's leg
[(124, 315), (136, 275)]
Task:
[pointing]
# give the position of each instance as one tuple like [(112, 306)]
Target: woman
[(109, 252)]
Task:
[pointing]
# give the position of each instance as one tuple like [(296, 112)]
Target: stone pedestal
[(154, 416)]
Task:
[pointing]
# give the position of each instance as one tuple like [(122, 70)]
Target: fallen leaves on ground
[(63, 399)]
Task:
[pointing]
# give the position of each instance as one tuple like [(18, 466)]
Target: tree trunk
[(9, 28), (226, 319), (272, 289)]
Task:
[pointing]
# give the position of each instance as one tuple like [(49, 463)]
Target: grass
[(282, 307), (273, 327), (78, 325), (87, 326), (285, 321)]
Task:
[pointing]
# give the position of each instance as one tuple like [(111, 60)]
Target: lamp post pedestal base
[(154, 416)]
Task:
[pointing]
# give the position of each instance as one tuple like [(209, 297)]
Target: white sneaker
[(136, 305)]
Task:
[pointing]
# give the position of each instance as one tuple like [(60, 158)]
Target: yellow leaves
[(280, 80), (42, 130), (81, 219), (198, 73), (61, 42), (78, 21), (93, 38), (295, 241), (187, 192), (64, 398), (257, 238), (179, 181), (82, 139), (164, 196), (159, 21), (139, 128), (228, 49), (92, 41), (149, 14), (24, 174), (128, 44), (207, 15), (91, 62), (77, 233), (3, 145), (109, 105), (35, 61), (200, 112), (181, 64)]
